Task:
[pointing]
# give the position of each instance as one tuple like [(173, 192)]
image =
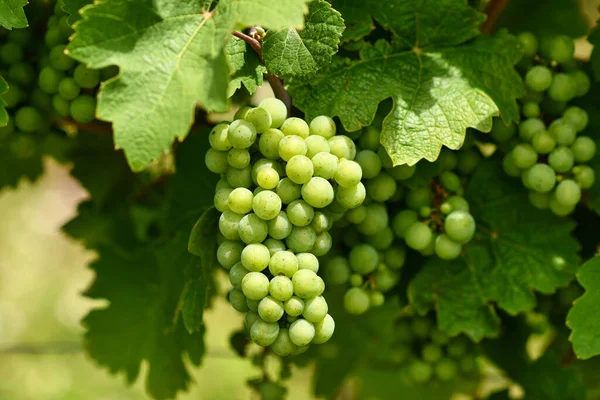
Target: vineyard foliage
[(431, 162)]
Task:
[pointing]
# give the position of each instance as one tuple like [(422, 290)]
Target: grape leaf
[(357, 18), (461, 304), (12, 14), (143, 288), (16, 165), (440, 83), (3, 112), (547, 379), (517, 249), (582, 318), (289, 52), (545, 17), (170, 58), (203, 241), (594, 39), (245, 65), (72, 8)]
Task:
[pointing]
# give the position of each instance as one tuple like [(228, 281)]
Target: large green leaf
[(289, 52), (245, 65), (583, 317), (441, 77), (171, 57), (12, 14), (72, 8)]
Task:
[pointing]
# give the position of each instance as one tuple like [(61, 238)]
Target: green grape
[(501, 132), (563, 87), (337, 271), (288, 191), (59, 60), (584, 176), (559, 209), (431, 353), (238, 300), (255, 257), (291, 146), (351, 197), (221, 199), (237, 274), (369, 162), (229, 253), (468, 161), (61, 106), (563, 131), (252, 304), (270, 310), (302, 332), (342, 146), (28, 119), (382, 239), (402, 172), (264, 333), (356, 301), (282, 346), (267, 178), (253, 229), (249, 320), (386, 160), (12, 96), (283, 263), (266, 205), (307, 284), (419, 197), (241, 134), (242, 112), (582, 82), (458, 203), (363, 258), (402, 221), (315, 309), (316, 144), (529, 127), (308, 261), (68, 89), (420, 371), (260, 118), (457, 347), (539, 200), (446, 248), (577, 116), (323, 243), (317, 192), (83, 109), (52, 37), (300, 213), (561, 159), (377, 219), (268, 143), (239, 177), (299, 169), (529, 43), (218, 138), (543, 142), (280, 226), (357, 215), (376, 299), (524, 155), (369, 139), (301, 239), (446, 370), (395, 256), (531, 109), (356, 280), (421, 327), (325, 165), (265, 163), (324, 330), (584, 149), (22, 74), (295, 126), (510, 167), (294, 306), (568, 193), (11, 53), (418, 236), (540, 178), (240, 200), (538, 78), (348, 174), (450, 181), (459, 226), (255, 285), (382, 187), (385, 279), (276, 109), (430, 250), (322, 126), (561, 49), (85, 77), (321, 222)]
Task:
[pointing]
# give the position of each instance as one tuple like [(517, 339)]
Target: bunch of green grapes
[(283, 184), (373, 247), (547, 150), (424, 354)]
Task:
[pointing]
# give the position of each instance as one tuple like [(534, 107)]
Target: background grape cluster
[(547, 153)]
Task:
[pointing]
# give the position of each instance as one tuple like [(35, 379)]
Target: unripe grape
[(322, 126)]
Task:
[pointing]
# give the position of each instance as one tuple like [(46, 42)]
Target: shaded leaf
[(245, 65)]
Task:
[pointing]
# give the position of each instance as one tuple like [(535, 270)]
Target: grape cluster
[(374, 245), (45, 85), (424, 354), (546, 150), (283, 184)]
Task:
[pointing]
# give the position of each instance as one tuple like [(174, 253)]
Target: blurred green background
[(42, 275)]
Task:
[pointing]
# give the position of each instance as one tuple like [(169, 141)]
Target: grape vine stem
[(275, 82), (494, 10)]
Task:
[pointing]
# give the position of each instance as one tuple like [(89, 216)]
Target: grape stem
[(275, 82), (494, 10)]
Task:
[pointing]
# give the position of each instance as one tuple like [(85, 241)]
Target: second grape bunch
[(283, 184)]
